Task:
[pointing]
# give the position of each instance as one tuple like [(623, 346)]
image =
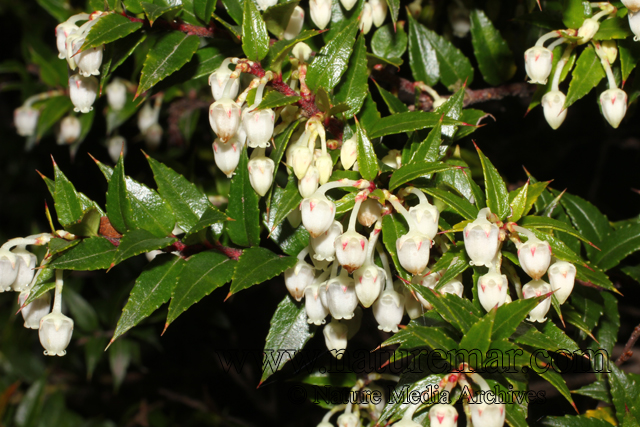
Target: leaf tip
[(166, 325), (228, 296)]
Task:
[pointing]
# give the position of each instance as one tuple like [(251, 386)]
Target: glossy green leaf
[(429, 149), (204, 9), (422, 54), (44, 282), (495, 59), (574, 421), (67, 201), (543, 222), (394, 9), (353, 88), (608, 325), (153, 288), (415, 336), (202, 274), (57, 245), (495, 188), (415, 170), (280, 145), (117, 202), (255, 39), (392, 229), (277, 17), (290, 240), (629, 52), (392, 101), (457, 203), (87, 225), (597, 390), (275, 99), (617, 246), (288, 334), (154, 11), (108, 29), (395, 409), (533, 193), (210, 216), (518, 202), (136, 242), (586, 76), (331, 62), (280, 49), (509, 316), (479, 335), (369, 114), (234, 9), (452, 108), (367, 158), (389, 43), (123, 48), (591, 223), (54, 109), (624, 393), (243, 208), (457, 266), (573, 13), (257, 265), (283, 202), (613, 28), (407, 122), (93, 253), (459, 312), (172, 51)]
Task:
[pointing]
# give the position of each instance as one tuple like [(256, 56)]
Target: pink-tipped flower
[(36, 310), (316, 310), (370, 212), (83, 92), (224, 118), (425, 215), (324, 244), (349, 152), (537, 63), (413, 251), (553, 108), (366, 19), (485, 414), (536, 288), (320, 11), (614, 106), (562, 277), (309, 183), (441, 415), (492, 290), (388, 310), (296, 20), (341, 296), (260, 171), (534, 257), (297, 278), (62, 32), (378, 11), (335, 337), (55, 333), (369, 282), (351, 250), (481, 240), (318, 213), (219, 78), (258, 124), (227, 156), (25, 119)]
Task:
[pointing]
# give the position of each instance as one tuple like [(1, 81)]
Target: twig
[(190, 29), (628, 352)]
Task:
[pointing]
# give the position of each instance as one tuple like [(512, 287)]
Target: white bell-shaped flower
[(147, 117), (485, 414), (536, 288), (89, 60), (349, 152), (378, 11), (316, 310), (25, 119), (25, 264), (429, 280), (341, 296), (115, 145), (492, 290), (70, 129), (349, 420), (309, 183), (83, 92), (227, 156), (219, 78), (260, 171), (587, 30), (534, 257), (302, 52), (634, 24), (426, 217), (614, 106), (458, 18), (610, 49), (481, 240), (297, 278), (632, 5), (8, 269), (351, 250), (55, 333), (324, 244), (153, 136), (348, 4), (562, 277), (369, 282), (324, 163), (265, 4), (335, 337), (537, 63), (224, 118), (388, 310), (296, 20), (366, 19), (300, 160), (370, 212), (320, 11), (258, 125), (413, 251), (441, 415), (412, 305), (553, 108), (393, 159), (62, 31), (453, 286), (318, 213), (116, 94), (36, 310)]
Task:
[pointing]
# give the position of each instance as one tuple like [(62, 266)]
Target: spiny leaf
[(108, 29), (495, 188), (257, 265), (243, 208), (495, 59), (367, 158), (136, 242), (255, 39), (94, 253)]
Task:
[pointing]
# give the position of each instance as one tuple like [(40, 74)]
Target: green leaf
[(407, 122), (597, 390), (67, 202), (452, 108), (255, 39), (613, 28), (422, 55), (389, 43), (108, 29), (624, 393), (495, 59), (283, 202), (457, 203), (44, 282), (204, 9), (154, 11), (187, 202), (275, 99), (280, 50), (510, 316), (629, 57), (257, 265), (429, 149), (93, 253), (117, 202), (573, 13), (459, 312), (277, 17), (495, 188), (394, 7), (479, 335), (396, 407), (28, 411), (59, 9), (51, 114), (617, 246), (202, 274), (153, 288), (543, 222), (234, 9), (534, 191), (280, 145), (586, 76), (123, 48), (353, 88), (551, 338), (243, 207), (288, 334), (290, 240), (209, 217), (518, 202), (331, 62), (392, 101), (392, 229), (367, 158), (415, 170), (87, 226), (136, 242), (369, 114), (172, 51), (57, 245), (416, 336), (574, 421)]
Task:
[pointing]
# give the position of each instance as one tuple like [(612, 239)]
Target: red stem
[(190, 29)]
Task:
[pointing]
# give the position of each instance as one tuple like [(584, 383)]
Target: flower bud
[(320, 11), (349, 420), (393, 159), (153, 136), (562, 276), (116, 94), (349, 152), (634, 24), (316, 310), (89, 60), (366, 19), (453, 286), (441, 415), (351, 250), (412, 305), (324, 163), (8, 270), (458, 18), (55, 333), (265, 4), (369, 282), (588, 29), (147, 117), (36, 310), (341, 297), (335, 337), (224, 118), (218, 80), (309, 183), (294, 218), (62, 31), (324, 244), (301, 51), (370, 212), (487, 414), (429, 280), (318, 213), (481, 241), (553, 107), (348, 4), (632, 5), (301, 158), (426, 217), (534, 257), (413, 251), (25, 264), (295, 24), (537, 63), (610, 49), (297, 278), (115, 145), (258, 125), (70, 128), (614, 106), (83, 92), (378, 11), (536, 288), (227, 156), (25, 120), (388, 311), (261, 173), (492, 290)]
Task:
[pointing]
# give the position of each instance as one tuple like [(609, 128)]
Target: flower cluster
[(374, 12)]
